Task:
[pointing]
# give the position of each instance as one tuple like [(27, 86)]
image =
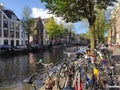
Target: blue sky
[(18, 5), (38, 9)]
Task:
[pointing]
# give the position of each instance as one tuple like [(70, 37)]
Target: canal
[(14, 69)]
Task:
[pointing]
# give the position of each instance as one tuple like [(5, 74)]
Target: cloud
[(38, 12)]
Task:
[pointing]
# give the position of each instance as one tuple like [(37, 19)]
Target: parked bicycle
[(48, 79)]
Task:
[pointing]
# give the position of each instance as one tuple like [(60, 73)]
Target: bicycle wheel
[(62, 76), (54, 77), (48, 83), (101, 83)]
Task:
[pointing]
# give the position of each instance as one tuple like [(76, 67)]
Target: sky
[(38, 9)]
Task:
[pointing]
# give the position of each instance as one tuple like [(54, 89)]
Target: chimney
[(1, 6)]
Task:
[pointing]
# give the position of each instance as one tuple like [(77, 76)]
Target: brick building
[(114, 32)]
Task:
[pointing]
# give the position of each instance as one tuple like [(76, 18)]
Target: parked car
[(21, 47), (5, 47), (36, 46)]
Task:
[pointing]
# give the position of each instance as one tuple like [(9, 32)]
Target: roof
[(10, 14)]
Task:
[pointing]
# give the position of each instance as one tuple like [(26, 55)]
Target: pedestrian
[(88, 49)]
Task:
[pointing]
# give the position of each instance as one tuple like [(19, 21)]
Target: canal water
[(14, 69)]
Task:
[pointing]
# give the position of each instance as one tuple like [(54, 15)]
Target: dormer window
[(14, 17)]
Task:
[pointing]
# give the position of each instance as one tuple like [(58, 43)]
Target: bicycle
[(65, 79), (48, 79), (72, 74), (66, 72), (31, 80)]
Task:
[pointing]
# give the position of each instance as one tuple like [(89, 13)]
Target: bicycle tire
[(54, 77), (48, 83), (101, 83), (62, 76)]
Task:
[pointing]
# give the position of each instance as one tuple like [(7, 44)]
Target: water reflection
[(14, 69)]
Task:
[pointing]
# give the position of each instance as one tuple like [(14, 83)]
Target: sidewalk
[(116, 59), (116, 52), (54, 88), (116, 56)]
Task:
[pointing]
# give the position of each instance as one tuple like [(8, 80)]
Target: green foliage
[(105, 39), (101, 25), (65, 31), (26, 13), (27, 22), (75, 10), (55, 30), (60, 29), (51, 27)]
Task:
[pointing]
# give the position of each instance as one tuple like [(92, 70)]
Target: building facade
[(114, 32), (10, 28), (40, 36)]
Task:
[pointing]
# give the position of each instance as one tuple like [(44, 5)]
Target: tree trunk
[(91, 20), (92, 39)]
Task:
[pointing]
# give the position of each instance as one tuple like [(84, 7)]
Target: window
[(6, 42), (26, 42), (21, 35), (17, 34), (11, 33), (22, 42), (4, 17), (17, 26), (17, 42), (12, 42), (14, 17), (5, 24), (11, 25), (5, 33)]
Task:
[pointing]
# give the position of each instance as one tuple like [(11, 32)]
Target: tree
[(68, 30), (101, 26), (76, 10), (52, 28), (27, 22)]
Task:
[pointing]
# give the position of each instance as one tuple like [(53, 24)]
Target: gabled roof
[(10, 14)]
